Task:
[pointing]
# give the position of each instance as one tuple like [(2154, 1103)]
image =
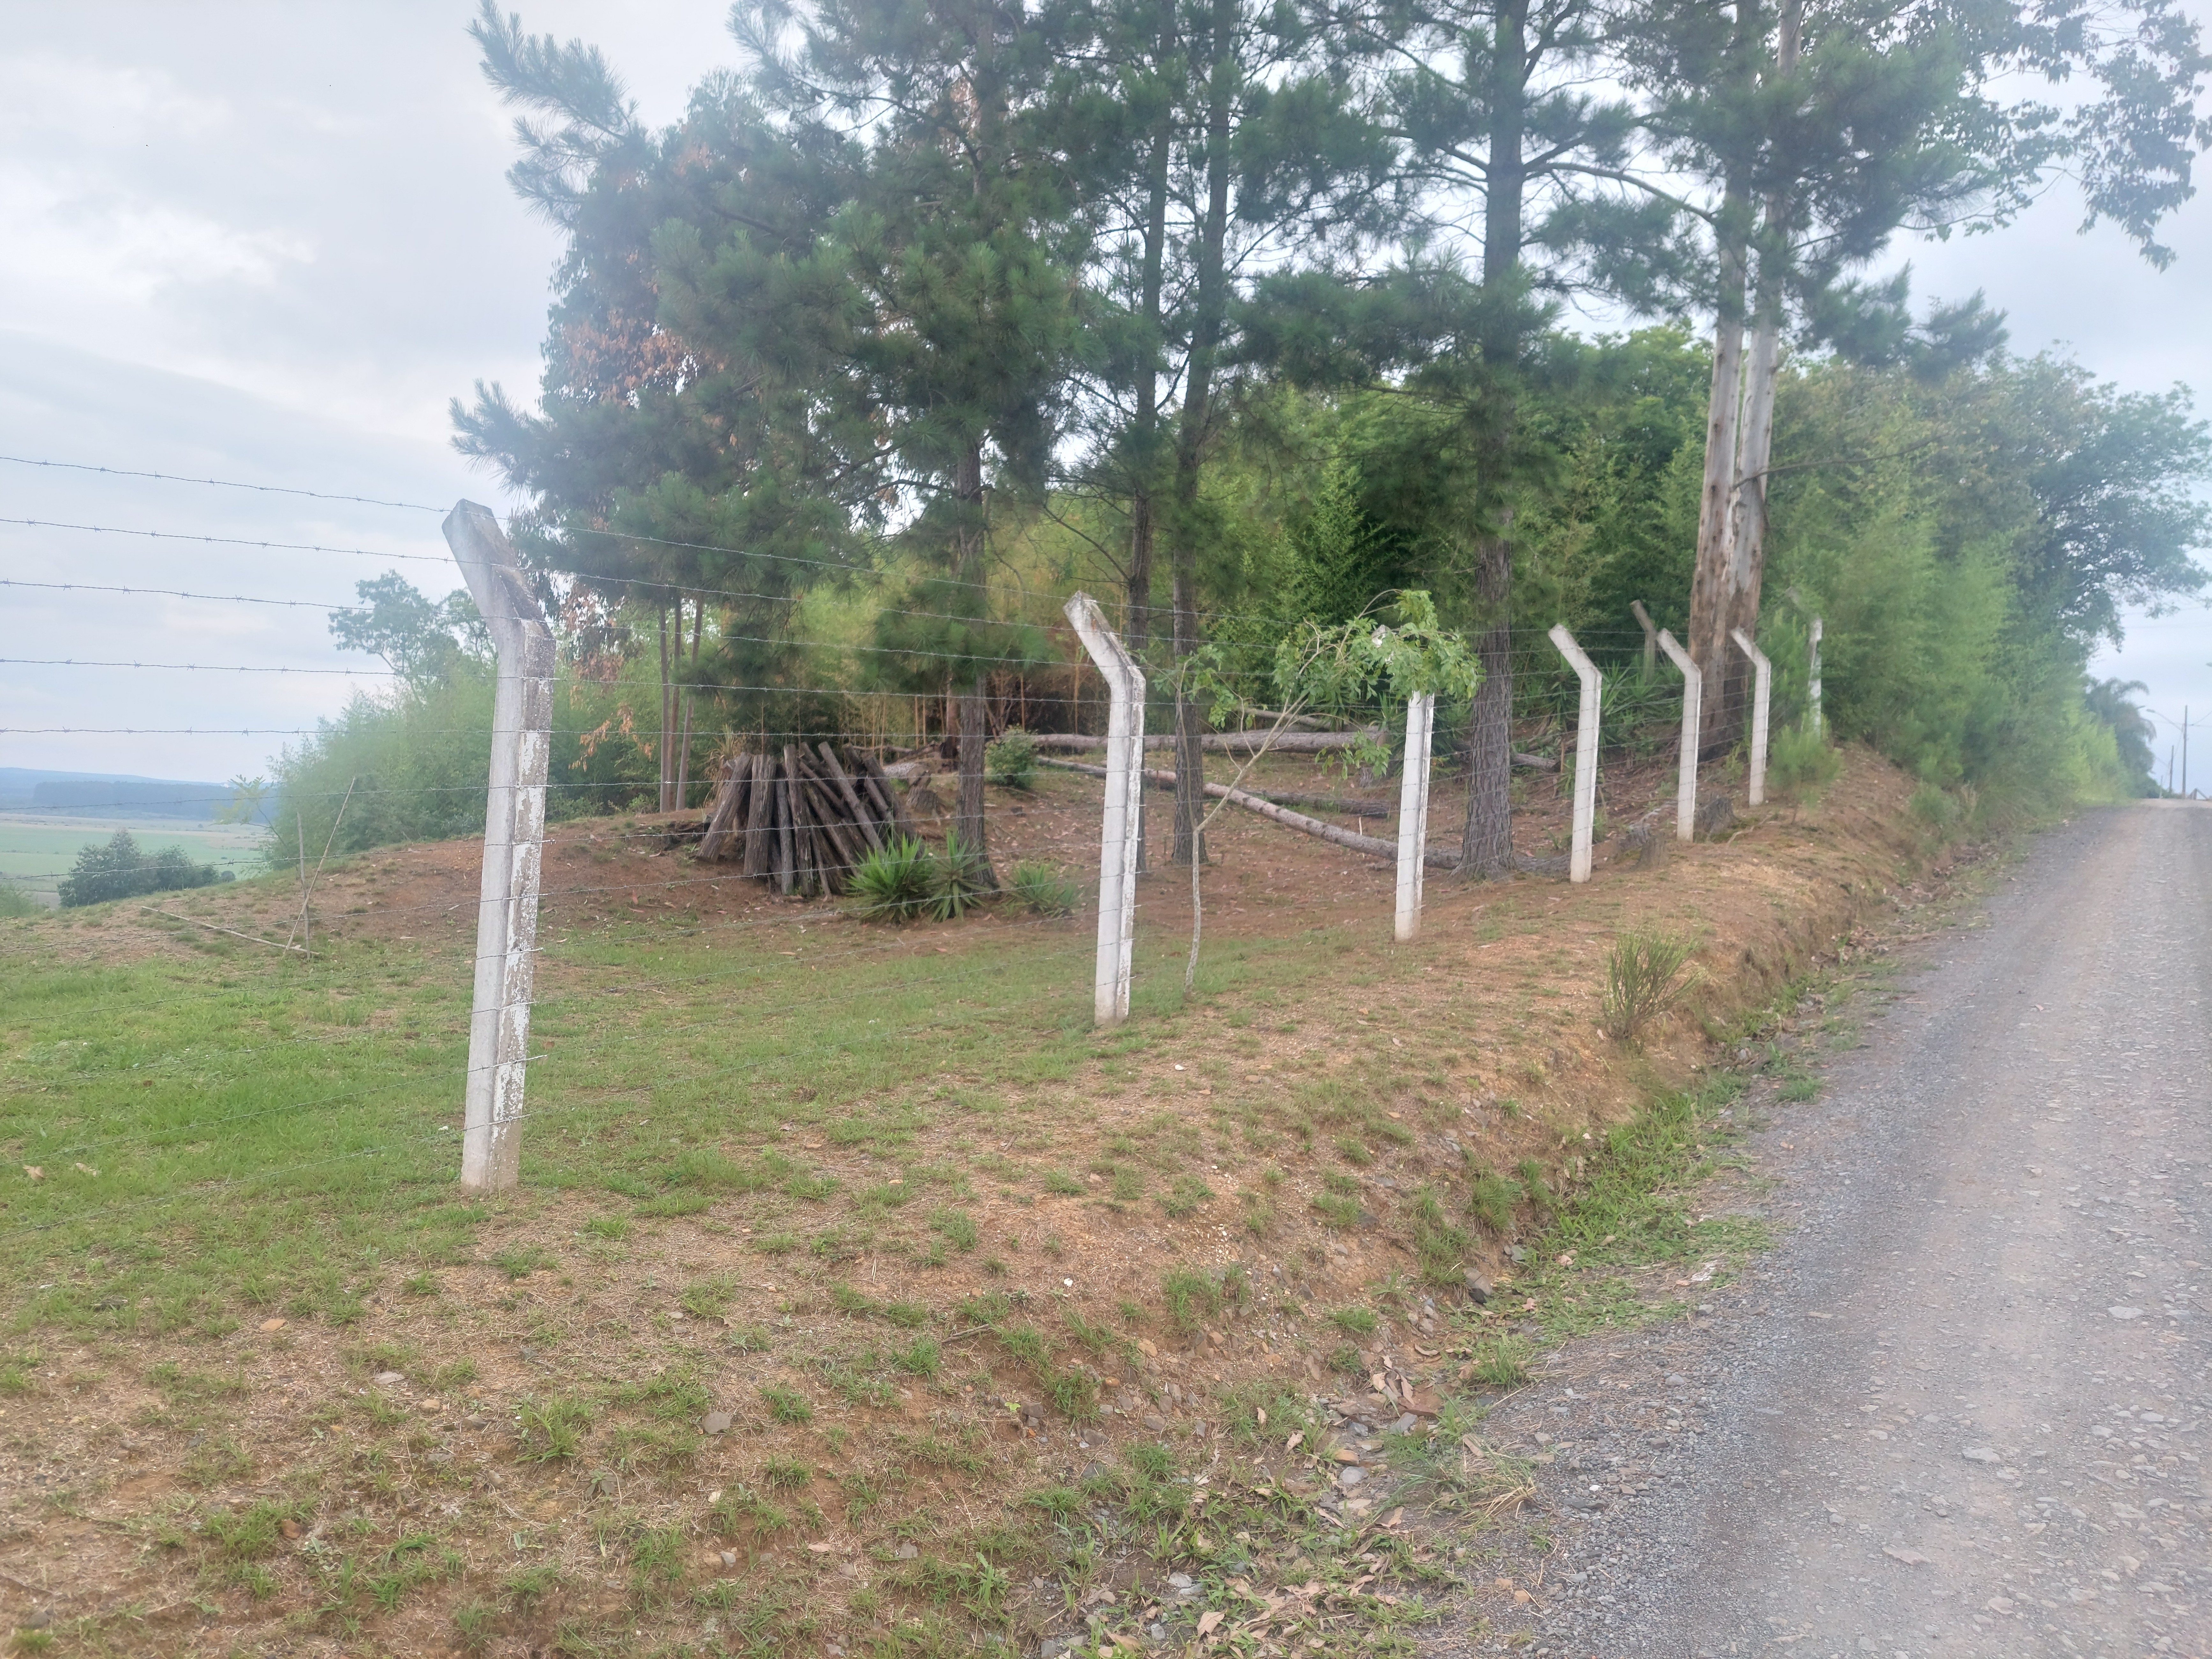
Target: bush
[(1936, 807), (15, 901), (893, 884), (118, 870), (1043, 889), (1799, 765), (959, 881), (1643, 980), (1011, 761)]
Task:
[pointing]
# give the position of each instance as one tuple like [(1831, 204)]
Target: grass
[(724, 1146)]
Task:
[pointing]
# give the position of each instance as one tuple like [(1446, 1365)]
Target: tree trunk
[(667, 717), (1747, 560), (968, 816), (1710, 609), (1486, 844), (1209, 312), (1147, 432)]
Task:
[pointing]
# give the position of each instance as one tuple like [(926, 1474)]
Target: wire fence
[(1033, 963)]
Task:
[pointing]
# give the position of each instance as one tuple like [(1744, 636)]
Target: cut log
[(893, 807), (1436, 857), (802, 821), (729, 801), (1233, 743), (760, 819), (787, 848), (844, 840), (863, 822)]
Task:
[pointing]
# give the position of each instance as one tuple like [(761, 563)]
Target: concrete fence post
[(1120, 839), (1414, 810), (1762, 686), (1650, 634), (1812, 715), (1686, 772), (514, 840), (1578, 863)]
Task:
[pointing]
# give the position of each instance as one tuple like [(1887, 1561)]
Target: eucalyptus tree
[(1806, 137)]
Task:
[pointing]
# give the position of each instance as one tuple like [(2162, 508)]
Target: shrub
[(894, 883), (15, 901), (959, 881), (1643, 981), (1011, 761), (1799, 765), (1936, 807), (118, 870), (1043, 889)]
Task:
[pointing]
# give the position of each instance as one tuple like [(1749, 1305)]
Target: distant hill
[(109, 795)]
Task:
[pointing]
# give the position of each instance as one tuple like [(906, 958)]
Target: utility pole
[(2185, 751)]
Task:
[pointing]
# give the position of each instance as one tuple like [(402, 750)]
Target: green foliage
[(1491, 1200), (1801, 764), (1354, 1322), (1184, 1195), (1010, 759), (959, 881), (1645, 981), (116, 869), (893, 883), (15, 901), (1044, 890)]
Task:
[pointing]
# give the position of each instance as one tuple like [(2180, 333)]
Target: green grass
[(271, 1134)]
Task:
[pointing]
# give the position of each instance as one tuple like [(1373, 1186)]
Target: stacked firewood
[(803, 818)]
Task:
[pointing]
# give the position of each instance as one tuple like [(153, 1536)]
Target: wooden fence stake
[(1118, 839), (515, 841), (1578, 862), (1693, 700), (1762, 687), (1414, 810)]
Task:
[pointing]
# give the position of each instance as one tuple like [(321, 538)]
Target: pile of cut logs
[(804, 817)]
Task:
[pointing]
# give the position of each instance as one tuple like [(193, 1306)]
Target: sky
[(268, 243)]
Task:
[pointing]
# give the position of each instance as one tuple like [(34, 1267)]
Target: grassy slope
[(858, 1188)]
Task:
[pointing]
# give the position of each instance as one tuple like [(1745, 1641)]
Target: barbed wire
[(218, 483)]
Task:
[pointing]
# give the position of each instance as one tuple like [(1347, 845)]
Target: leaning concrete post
[(514, 837), (1119, 839), (1579, 864), (1650, 634), (1414, 810), (1813, 678), (1762, 684), (1686, 773)]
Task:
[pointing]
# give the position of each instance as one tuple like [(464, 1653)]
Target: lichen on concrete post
[(1119, 836), (1578, 861), (1762, 688), (1685, 771), (515, 839), (1414, 810)]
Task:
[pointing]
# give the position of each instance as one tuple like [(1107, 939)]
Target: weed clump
[(893, 884), (1194, 1297), (1645, 981), (1044, 890)]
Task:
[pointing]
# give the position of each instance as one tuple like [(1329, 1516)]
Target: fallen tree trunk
[(1373, 846), (1231, 743)]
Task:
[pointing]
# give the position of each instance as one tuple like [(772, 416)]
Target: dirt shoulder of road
[(1105, 1372)]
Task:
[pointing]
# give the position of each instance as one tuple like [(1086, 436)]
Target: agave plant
[(894, 883), (960, 880)]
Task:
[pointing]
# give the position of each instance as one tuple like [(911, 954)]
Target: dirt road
[(1963, 1409)]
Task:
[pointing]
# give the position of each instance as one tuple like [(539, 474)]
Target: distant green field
[(37, 848)]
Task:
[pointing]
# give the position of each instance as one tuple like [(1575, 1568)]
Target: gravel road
[(1963, 1408)]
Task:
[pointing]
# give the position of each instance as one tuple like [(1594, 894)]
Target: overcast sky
[(268, 242)]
